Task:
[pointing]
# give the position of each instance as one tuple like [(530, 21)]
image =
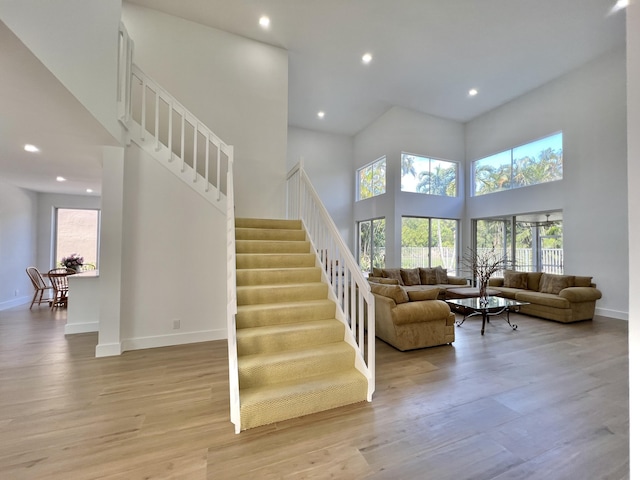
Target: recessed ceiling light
[(61, 179), (473, 92), (264, 21), (320, 114), (620, 5), (366, 58), (31, 148), (89, 190)]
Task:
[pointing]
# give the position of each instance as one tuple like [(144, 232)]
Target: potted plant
[(483, 264), (73, 261)]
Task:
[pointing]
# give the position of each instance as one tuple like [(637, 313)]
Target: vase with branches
[(483, 264)]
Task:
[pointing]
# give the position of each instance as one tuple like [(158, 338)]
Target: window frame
[(510, 182), (372, 188), (430, 159)]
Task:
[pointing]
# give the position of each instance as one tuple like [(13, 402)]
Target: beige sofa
[(562, 298), (419, 279), (411, 319)]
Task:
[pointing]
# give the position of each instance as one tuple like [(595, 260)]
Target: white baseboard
[(108, 349), (16, 302), (72, 328), (606, 312), (141, 343)]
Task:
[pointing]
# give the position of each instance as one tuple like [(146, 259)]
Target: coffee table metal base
[(495, 306)]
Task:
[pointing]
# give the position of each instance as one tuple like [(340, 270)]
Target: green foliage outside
[(372, 244), (519, 167), (372, 179), (428, 176)]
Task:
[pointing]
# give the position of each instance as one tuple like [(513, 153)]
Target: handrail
[(232, 308), (349, 287)]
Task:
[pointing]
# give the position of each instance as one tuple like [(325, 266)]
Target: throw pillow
[(383, 281), (583, 281), (441, 275), (533, 281), (420, 295), (410, 276), (513, 279), (550, 283), (393, 273), (377, 272), (427, 276), (394, 292)]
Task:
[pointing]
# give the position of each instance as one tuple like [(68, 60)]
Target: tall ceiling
[(427, 54)]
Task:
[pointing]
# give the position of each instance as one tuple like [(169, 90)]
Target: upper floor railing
[(349, 287)]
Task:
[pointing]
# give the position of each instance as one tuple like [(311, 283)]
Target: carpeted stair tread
[(279, 338), (286, 224), (249, 316), (271, 368), (291, 399), (272, 246), (274, 260), (270, 234), (254, 294), (267, 276)]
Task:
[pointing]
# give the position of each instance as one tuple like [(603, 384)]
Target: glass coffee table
[(471, 307)]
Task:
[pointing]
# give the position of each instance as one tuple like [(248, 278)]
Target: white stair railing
[(349, 287), (161, 126)]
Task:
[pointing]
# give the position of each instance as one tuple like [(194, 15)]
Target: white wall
[(18, 212), (328, 163), (77, 40), (236, 86), (402, 130), (173, 259), (589, 106), (633, 168)]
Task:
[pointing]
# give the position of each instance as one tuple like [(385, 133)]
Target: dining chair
[(40, 287), (60, 283)]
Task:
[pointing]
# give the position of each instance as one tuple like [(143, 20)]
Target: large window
[(429, 242), (429, 175), (371, 244), (372, 179), (77, 231), (531, 243), (530, 164)]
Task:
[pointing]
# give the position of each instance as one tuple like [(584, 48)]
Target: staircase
[(293, 359)]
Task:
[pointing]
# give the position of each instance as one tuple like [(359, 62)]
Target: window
[(530, 243), (429, 242), (371, 244), (77, 232), (429, 176), (372, 179), (530, 164)]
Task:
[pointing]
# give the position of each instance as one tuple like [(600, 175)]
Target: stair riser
[(277, 276), (274, 261), (259, 234), (268, 223), (284, 315), (281, 293), (288, 339), (296, 404), (268, 373), (257, 246)]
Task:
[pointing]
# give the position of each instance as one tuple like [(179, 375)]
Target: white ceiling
[(427, 54), (36, 108)]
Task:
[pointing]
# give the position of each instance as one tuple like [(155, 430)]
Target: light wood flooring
[(547, 401)]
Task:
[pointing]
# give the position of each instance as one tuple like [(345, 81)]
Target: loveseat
[(419, 279), (562, 298), (411, 319)]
